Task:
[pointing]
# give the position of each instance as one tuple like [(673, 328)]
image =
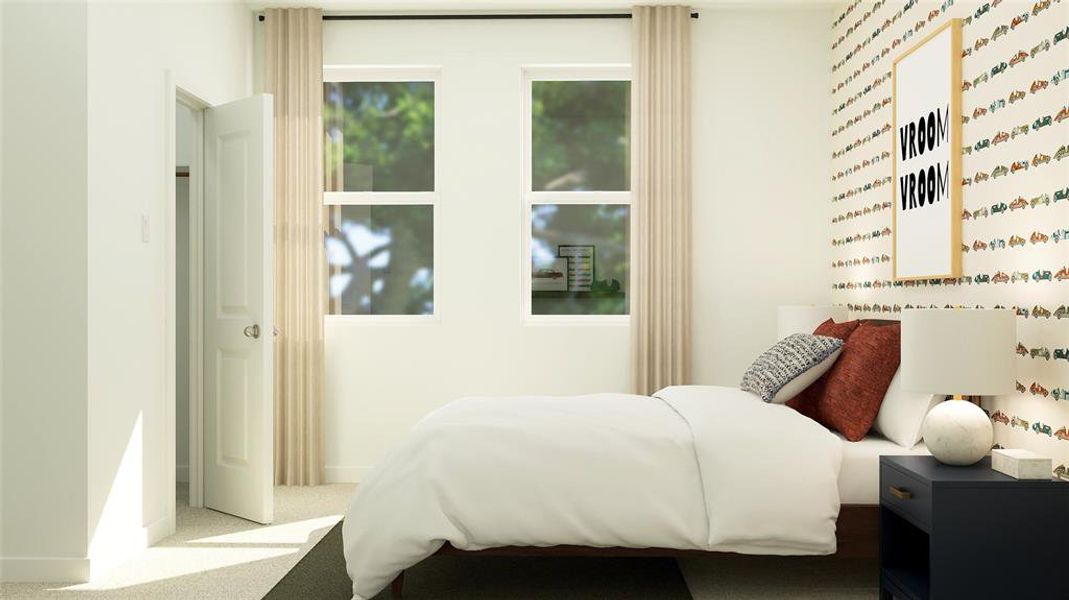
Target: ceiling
[(395, 6)]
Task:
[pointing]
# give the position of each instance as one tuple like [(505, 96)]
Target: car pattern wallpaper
[(1015, 167)]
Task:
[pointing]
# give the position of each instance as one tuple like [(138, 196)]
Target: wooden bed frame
[(857, 534)]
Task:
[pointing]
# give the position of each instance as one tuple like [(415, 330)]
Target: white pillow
[(799, 384), (902, 413)]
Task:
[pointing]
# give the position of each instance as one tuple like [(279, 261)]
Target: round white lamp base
[(958, 432)]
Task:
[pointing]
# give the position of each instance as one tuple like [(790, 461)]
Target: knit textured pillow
[(788, 367)]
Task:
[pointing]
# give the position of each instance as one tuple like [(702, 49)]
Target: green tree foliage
[(580, 134)]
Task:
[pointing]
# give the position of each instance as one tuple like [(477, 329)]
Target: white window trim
[(530, 198), (433, 74)]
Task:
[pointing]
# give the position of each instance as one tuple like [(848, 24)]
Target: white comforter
[(693, 467)]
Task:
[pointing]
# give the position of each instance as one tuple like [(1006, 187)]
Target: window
[(577, 191), (379, 161)]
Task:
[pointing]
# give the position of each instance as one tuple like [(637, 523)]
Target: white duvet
[(693, 467)]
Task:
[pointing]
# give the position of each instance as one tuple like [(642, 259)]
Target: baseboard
[(158, 529), (345, 474), (44, 570), (181, 473)]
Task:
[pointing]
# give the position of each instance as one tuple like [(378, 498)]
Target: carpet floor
[(321, 574), (213, 556)]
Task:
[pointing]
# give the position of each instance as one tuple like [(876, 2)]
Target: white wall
[(131, 45), (761, 179), (43, 324), (760, 190), (382, 378)]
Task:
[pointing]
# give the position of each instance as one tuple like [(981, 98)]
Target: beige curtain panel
[(661, 190), (294, 75)]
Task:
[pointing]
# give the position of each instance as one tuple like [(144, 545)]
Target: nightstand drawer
[(906, 495)]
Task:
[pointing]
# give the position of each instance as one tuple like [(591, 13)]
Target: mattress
[(859, 475)]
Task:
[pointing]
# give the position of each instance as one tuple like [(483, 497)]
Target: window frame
[(407, 73), (531, 198)]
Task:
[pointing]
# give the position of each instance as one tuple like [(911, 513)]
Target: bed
[(691, 469)]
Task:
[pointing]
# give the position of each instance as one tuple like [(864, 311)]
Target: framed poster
[(580, 266), (926, 176)]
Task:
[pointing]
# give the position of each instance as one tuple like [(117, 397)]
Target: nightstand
[(969, 532)]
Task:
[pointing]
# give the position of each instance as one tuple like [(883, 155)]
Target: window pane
[(579, 259), (379, 136), (580, 133), (381, 260)]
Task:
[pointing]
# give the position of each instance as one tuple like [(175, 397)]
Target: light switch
[(144, 228)]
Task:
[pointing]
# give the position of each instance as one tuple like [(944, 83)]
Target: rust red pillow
[(847, 398), (841, 331)]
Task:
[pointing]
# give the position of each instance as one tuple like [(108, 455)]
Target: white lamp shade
[(804, 319), (959, 351)]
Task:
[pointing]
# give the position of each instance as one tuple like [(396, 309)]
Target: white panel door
[(238, 318)]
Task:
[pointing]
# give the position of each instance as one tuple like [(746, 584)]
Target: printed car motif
[(1019, 276), (1040, 47), (1062, 312), (983, 76), (981, 176), (1041, 352), (1021, 349), (982, 278), (1000, 277), (1000, 171), (1015, 96), (1018, 58), (997, 243), (1060, 76), (1021, 311), (1000, 417), (1040, 159), (1062, 152), (1040, 199), (1061, 35), (1000, 137), (1041, 122), (1019, 422), (1001, 207), (1061, 354), (1062, 115), (1019, 130), (997, 104), (1037, 85), (1020, 387), (980, 145), (1041, 275), (1060, 472), (979, 111), (1059, 235), (1038, 237), (1000, 31), (1020, 165), (979, 245), (1062, 434), (1062, 275), (1038, 390), (980, 43), (1061, 195), (1041, 428), (1016, 240), (1060, 394), (1018, 203)]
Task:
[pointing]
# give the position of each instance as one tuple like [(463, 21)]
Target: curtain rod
[(476, 17)]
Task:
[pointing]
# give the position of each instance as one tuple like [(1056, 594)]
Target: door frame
[(178, 93)]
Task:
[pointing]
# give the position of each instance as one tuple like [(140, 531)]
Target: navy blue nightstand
[(969, 532)]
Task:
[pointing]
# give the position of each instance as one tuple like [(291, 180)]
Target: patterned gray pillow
[(790, 366)]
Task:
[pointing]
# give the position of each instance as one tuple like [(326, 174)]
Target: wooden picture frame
[(930, 72)]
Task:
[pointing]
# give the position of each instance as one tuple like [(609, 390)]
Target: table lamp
[(805, 318), (960, 352)]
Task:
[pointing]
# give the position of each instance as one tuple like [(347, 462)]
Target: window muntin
[(380, 132), (577, 193)]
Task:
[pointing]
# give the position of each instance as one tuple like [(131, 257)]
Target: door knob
[(252, 331)]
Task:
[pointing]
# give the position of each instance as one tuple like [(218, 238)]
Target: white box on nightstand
[(1021, 464)]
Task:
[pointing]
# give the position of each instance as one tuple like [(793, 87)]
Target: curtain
[(294, 76), (661, 188)]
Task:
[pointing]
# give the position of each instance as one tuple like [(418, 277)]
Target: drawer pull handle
[(900, 493)]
